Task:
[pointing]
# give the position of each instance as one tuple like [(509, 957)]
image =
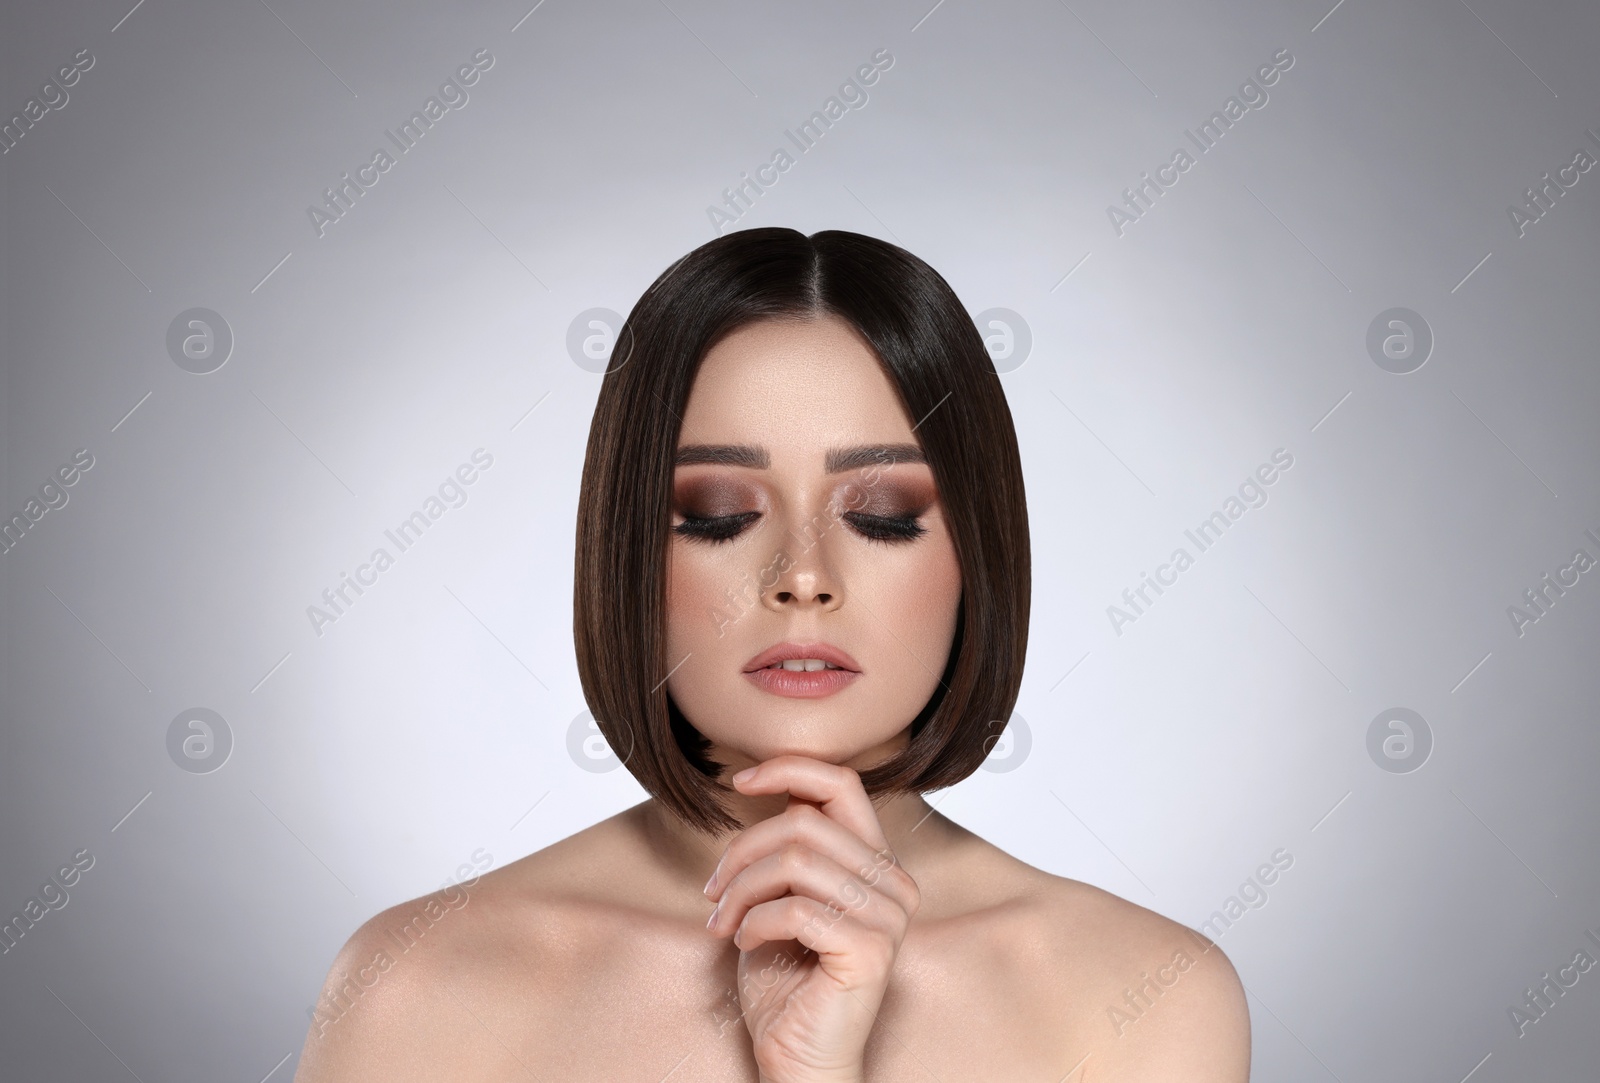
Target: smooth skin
[(848, 939)]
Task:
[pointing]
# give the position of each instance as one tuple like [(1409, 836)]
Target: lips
[(833, 670), (784, 652)]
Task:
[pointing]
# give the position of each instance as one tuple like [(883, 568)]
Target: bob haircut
[(936, 360)]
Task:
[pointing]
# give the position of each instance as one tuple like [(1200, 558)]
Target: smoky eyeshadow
[(711, 497), (714, 496), (889, 500)]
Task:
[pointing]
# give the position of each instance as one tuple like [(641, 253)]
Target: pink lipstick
[(802, 670)]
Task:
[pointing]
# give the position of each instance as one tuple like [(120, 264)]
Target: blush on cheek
[(915, 594), (709, 595), (688, 597)]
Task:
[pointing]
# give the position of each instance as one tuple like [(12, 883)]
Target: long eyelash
[(882, 528), (887, 528), (718, 528)]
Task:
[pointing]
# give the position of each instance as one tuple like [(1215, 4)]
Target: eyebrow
[(837, 460)]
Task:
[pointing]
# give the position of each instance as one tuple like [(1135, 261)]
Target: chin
[(835, 741), (746, 722)]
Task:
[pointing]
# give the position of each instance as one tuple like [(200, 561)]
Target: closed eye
[(886, 528), (719, 528), (878, 528)]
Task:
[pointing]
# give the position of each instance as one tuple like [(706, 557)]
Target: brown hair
[(937, 361)]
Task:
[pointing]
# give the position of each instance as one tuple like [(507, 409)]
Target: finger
[(836, 790), (800, 870), (845, 948), (809, 827)]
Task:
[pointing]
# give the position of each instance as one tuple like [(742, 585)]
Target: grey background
[(1164, 763)]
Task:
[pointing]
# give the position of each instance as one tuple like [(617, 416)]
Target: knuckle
[(908, 886), (913, 896), (906, 913), (794, 857), (854, 895)]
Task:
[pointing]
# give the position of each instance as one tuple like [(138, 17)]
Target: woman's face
[(800, 516)]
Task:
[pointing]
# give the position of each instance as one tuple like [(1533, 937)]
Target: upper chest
[(966, 1001)]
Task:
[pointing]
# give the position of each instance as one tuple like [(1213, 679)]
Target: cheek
[(709, 598), (698, 583), (916, 597), (685, 593)]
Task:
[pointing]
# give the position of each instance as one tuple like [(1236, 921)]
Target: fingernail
[(711, 883), (712, 920), (746, 773)]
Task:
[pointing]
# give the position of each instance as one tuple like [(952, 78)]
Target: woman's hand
[(819, 873)]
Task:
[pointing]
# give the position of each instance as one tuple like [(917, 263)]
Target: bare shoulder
[(1108, 985), (449, 983), (1146, 997)]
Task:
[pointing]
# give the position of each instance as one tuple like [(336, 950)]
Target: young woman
[(802, 594)]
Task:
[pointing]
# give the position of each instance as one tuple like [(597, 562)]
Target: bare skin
[(940, 957)]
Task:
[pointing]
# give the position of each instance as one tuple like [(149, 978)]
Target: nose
[(806, 582), (804, 591)]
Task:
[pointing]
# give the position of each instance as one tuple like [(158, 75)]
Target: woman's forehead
[(789, 386)]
